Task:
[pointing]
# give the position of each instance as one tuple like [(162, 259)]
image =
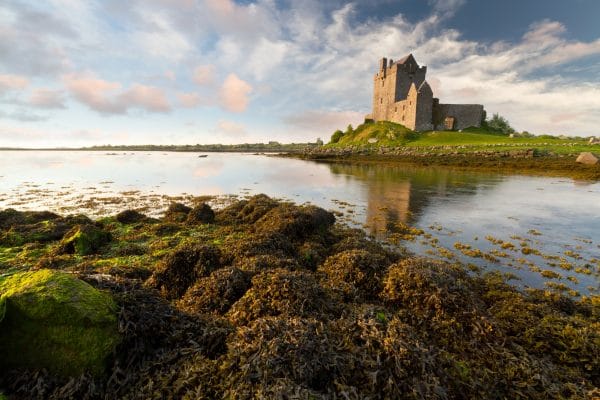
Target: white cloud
[(267, 56), (160, 39), (107, 97), (234, 94)]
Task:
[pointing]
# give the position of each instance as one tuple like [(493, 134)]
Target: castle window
[(403, 107), (381, 100), (396, 109)]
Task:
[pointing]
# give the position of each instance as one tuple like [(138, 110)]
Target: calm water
[(558, 218)]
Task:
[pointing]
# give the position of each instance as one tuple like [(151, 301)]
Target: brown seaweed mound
[(182, 268), (217, 292), (357, 274), (283, 293), (276, 301)]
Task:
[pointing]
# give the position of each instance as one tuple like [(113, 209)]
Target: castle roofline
[(405, 59), (424, 85)]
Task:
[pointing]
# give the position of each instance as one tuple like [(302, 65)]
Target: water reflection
[(513, 224), (401, 194)]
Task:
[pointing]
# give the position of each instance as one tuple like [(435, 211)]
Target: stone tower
[(401, 94)]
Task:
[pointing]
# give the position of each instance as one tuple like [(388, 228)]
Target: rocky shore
[(517, 158), (266, 299)]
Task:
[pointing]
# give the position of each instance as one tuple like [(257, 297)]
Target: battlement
[(401, 94)]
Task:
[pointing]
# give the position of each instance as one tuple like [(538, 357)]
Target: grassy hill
[(390, 134)]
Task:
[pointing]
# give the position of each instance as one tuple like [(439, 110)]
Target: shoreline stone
[(53, 320)]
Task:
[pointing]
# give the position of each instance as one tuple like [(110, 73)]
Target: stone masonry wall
[(465, 115)]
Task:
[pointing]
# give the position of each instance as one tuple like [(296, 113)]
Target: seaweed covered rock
[(247, 211), (438, 295), (295, 222), (10, 217), (18, 228), (83, 240), (429, 287), (301, 351), (217, 292), (260, 251), (181, 268), (53, 320), (130, 217), (284, 293), (201, 214), (357, 274), (177, 212)]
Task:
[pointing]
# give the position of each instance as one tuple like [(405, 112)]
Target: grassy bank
[(264, 299), (473, 148)]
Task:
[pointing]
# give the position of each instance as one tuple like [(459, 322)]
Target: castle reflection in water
[(399, 194)]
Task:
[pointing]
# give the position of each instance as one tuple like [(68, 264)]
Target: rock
[(594, 140), (177, 212), (182, 268), (201, 214), (130, 217), (587, 158), (372, 140), (83, 240), (55, 321)]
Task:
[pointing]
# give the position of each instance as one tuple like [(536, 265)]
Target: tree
[(349, 129), (499, 123), (337, 135), (319, 142)]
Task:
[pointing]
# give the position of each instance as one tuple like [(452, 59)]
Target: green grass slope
[(390, 134)]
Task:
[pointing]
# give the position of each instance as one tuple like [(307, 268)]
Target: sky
[(93, 72)]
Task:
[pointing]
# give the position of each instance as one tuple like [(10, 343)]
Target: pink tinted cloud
[(231, 128), (11, 82), (204, 74), (146, 97), (47, 98), (189, 100), (234, 94), (108, 97)]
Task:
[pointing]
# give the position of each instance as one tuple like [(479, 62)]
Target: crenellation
[(401, 94)]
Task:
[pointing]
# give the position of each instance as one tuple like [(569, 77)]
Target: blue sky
[(84, 72)]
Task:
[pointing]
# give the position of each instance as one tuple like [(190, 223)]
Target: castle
[(401, 94)]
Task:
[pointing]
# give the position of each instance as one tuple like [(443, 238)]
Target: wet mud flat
[(267, 299)]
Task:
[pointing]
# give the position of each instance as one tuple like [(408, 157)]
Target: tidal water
[(459, 212)]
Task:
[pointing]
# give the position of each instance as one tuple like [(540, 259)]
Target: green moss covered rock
[(83, 240), (53, 320)]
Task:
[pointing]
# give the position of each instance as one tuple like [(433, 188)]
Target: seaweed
[(274, 300)]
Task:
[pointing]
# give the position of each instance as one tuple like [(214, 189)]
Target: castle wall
[(465, 115), (391, 85), (402, 112), (424, 109), (406, 76), (396, 99)]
